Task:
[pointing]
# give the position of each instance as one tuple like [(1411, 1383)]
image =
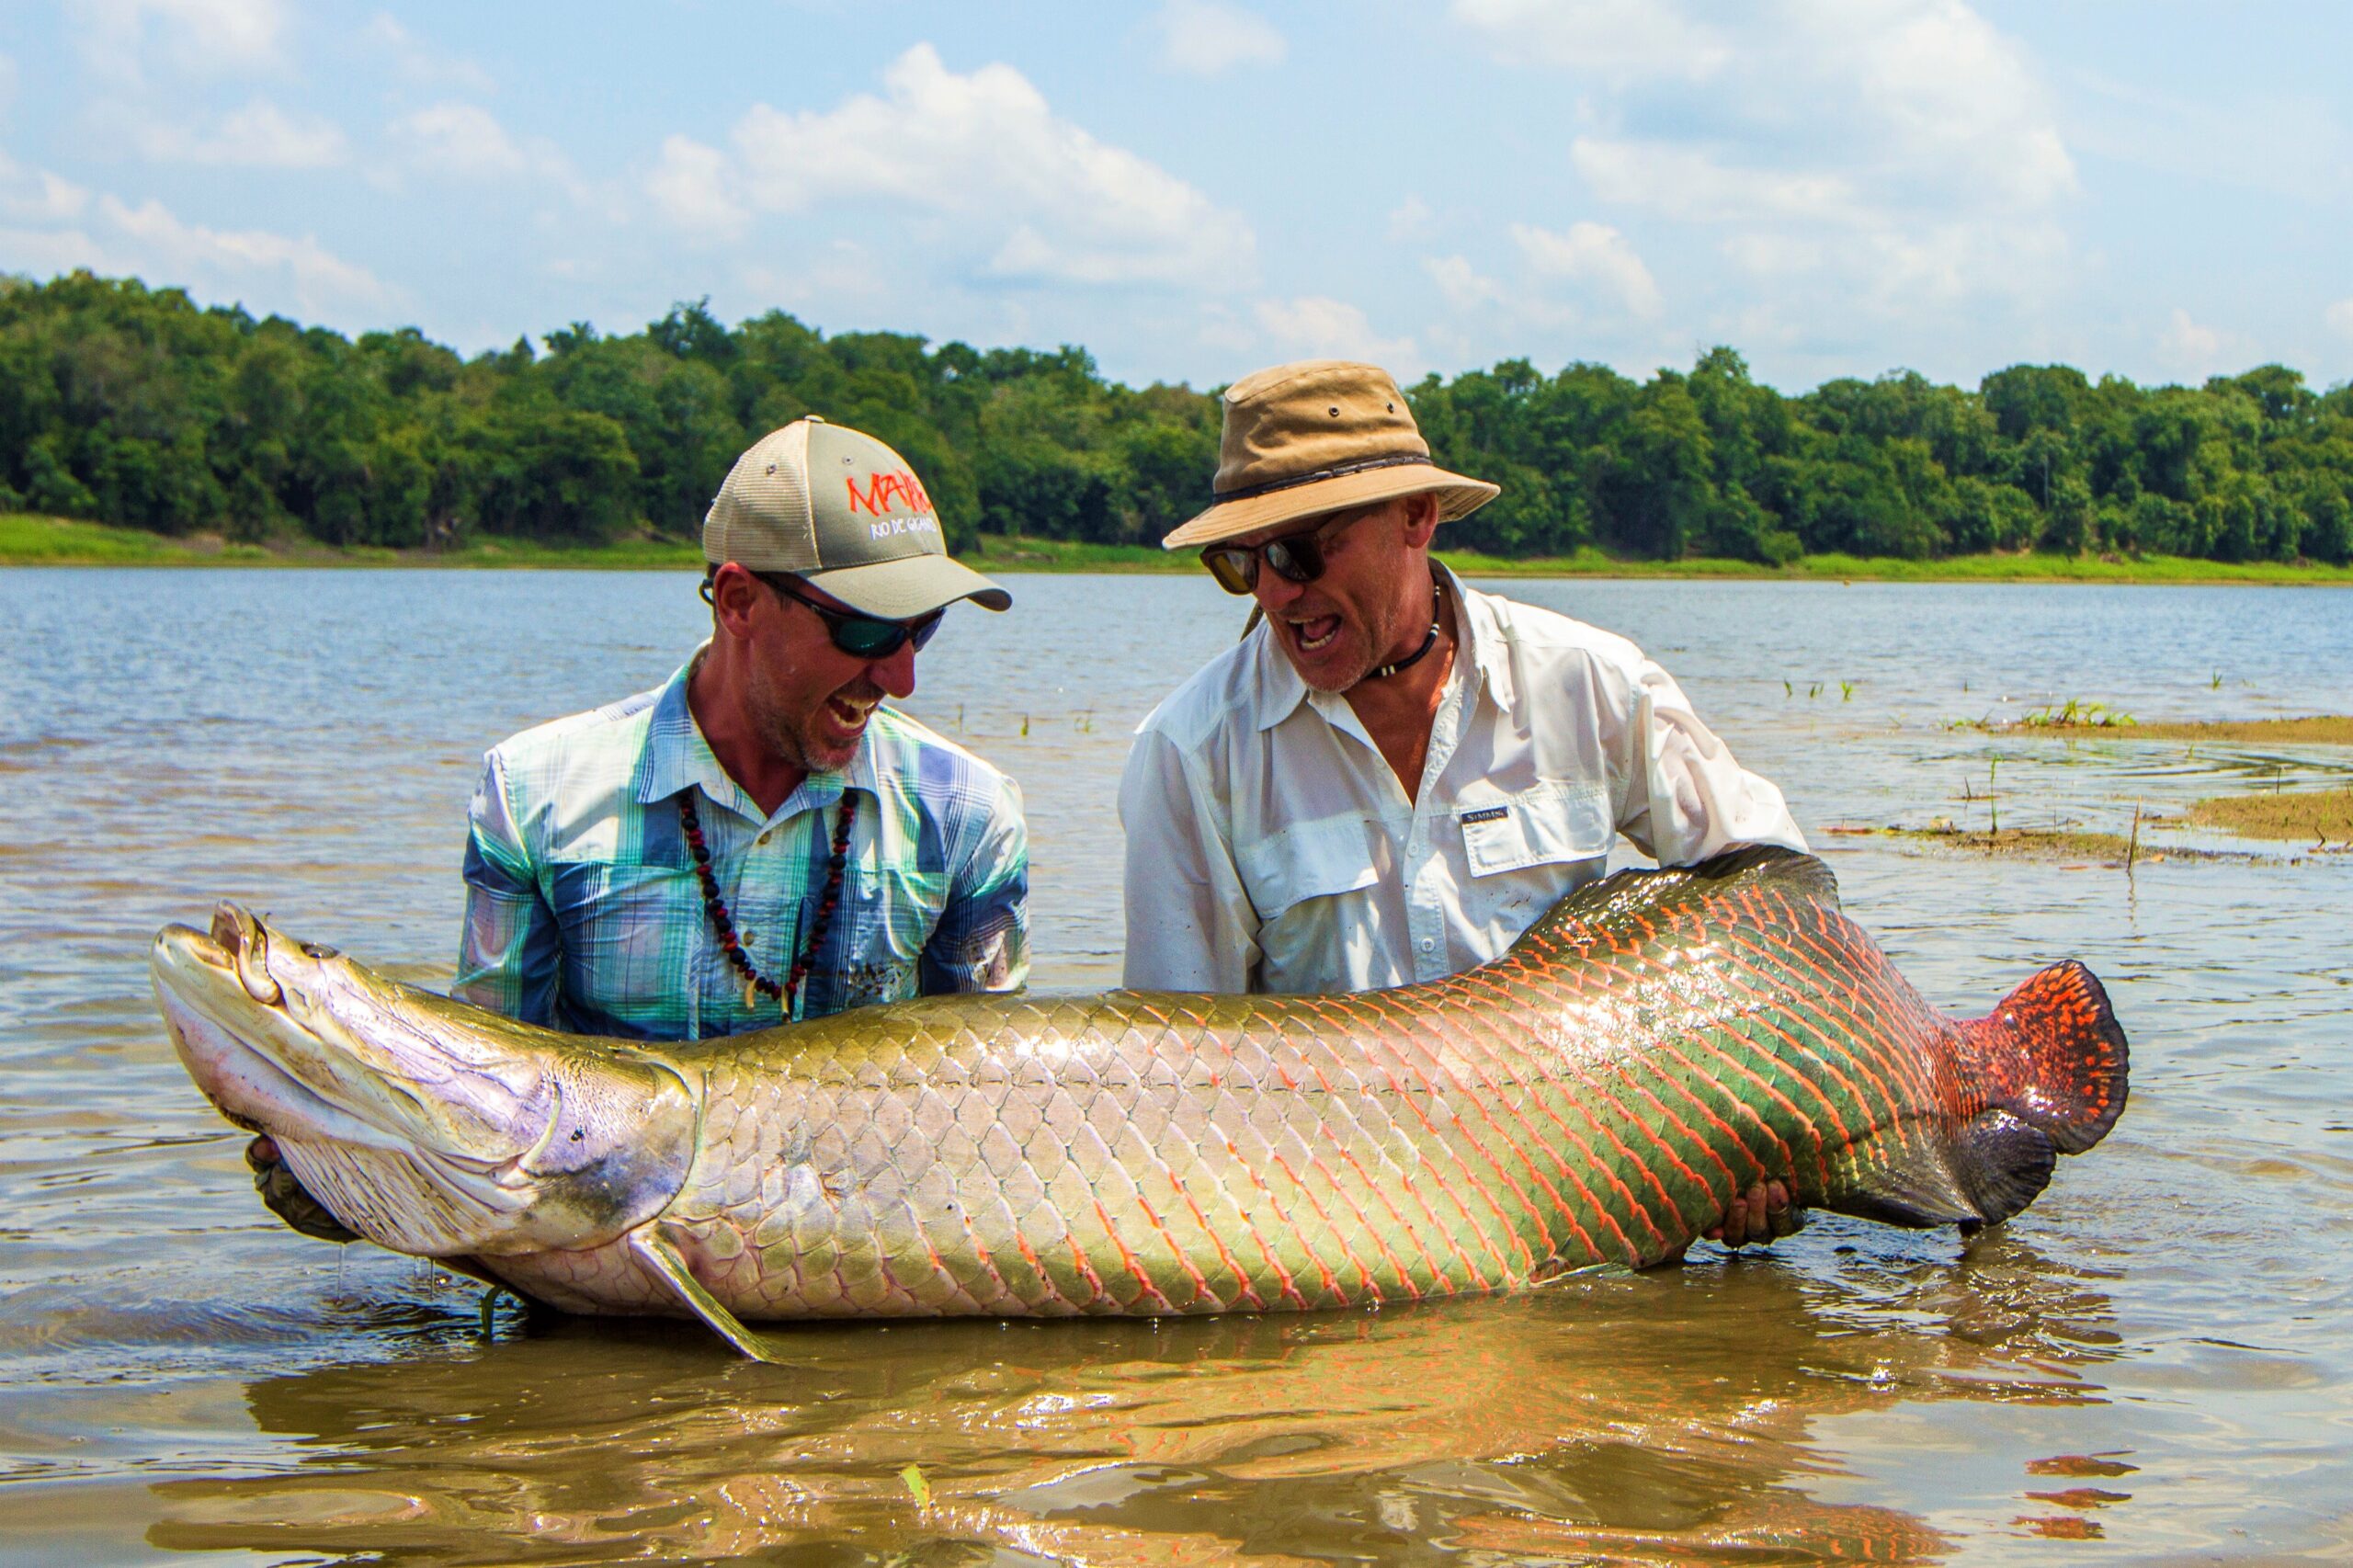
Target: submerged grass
[(2304, 816), (2052, 844), (27, 540), (2321, 729)]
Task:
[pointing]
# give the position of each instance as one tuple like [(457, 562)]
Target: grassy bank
[(58, 541)]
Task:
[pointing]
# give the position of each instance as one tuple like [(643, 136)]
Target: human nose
[(1273, 590), (896, 673)]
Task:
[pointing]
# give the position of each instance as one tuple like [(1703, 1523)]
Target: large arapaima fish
[(1657, 1043)]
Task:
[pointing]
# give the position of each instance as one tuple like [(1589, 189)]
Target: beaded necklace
[(1383, 672), (756, 984)]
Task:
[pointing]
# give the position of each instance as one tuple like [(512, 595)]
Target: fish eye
[(320, 950)]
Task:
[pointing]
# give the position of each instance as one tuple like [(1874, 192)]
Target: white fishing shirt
[(1270, 847)]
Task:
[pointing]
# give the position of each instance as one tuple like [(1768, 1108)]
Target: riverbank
[(27, 540)]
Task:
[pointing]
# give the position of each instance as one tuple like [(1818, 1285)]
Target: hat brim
[(1458, 497), (910, 587)]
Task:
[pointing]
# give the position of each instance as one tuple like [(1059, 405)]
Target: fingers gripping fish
[(1652, 1047)]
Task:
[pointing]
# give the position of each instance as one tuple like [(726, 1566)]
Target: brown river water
[(2153, 1363)]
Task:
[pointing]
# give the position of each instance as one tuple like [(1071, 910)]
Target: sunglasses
[(861, 636), (1295, 557)]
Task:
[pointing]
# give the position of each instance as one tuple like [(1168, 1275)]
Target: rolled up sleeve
[(981, 942), (1687, 797), (510, 952), (1190, 924)]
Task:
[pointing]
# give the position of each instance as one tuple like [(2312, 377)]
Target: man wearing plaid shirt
[(759, 838)]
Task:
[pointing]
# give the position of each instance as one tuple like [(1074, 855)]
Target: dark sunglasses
[(1295, 557), (861, 636)]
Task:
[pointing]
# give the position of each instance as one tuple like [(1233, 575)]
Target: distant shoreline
[(56, 542)]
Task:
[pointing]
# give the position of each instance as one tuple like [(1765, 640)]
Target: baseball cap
[(838, 508)]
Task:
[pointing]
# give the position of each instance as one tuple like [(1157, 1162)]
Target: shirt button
[(766, 836), (1427, 944)]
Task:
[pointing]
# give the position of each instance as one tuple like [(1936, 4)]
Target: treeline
[(133, 405)]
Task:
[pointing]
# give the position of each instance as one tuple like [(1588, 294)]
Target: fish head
[(423, 1123)]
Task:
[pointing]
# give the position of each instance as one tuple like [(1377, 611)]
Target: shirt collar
[(1482, 636), (678, 758), (1280, 689)]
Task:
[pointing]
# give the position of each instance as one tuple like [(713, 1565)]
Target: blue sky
[(1194, 189)]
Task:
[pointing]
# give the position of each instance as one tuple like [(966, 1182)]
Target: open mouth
[(1315, 634)]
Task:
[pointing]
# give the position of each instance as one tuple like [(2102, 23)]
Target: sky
[(1194, 189)]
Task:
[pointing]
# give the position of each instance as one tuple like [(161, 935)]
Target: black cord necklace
[(1383, 672), (755, 983)]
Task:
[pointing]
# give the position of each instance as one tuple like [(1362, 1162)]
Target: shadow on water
[(1657, 1418)]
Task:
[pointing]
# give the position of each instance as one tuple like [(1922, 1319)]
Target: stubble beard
[(796, 737), (1336, 681)]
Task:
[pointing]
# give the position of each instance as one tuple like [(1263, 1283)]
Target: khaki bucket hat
[(839, 509), (1315, 436)]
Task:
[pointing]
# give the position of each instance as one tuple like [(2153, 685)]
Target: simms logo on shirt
[(887, 493), (1486, 813)]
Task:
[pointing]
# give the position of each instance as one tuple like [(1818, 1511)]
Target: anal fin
[(661, 1257)]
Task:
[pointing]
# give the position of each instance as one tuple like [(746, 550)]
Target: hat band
[(1402, 460)]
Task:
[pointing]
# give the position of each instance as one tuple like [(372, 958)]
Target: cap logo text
[(887, 492)]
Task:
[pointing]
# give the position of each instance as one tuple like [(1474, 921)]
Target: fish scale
[(1596, 1098), (1656, 1045)]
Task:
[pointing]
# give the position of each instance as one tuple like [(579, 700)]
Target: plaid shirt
[(584, 912)]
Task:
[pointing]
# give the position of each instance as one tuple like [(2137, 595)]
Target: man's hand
[(1760, 1215), (284, 1196)]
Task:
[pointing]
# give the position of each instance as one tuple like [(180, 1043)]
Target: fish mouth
[(219, 999), (422, 1123)]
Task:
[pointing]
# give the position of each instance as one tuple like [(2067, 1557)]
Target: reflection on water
[(2157, 1356), (1650, 1418)]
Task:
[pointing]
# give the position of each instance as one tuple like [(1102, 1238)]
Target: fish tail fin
[(2052, 1055), (2050, 1067)]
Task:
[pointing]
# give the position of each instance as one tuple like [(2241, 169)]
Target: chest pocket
[(1551, 824), (1314, 860)]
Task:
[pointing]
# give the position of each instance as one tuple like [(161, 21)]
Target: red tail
[(2053, 1055)]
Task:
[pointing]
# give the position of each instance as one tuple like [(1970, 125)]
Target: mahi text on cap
[(887, 493)]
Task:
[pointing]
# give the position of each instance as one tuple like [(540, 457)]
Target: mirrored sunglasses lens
[(862, 637), (1236, 571), (1295, 560)]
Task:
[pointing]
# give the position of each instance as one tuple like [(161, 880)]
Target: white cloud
[(1612, 37), (1206, 38), (259, 135), (2339, 316), (53, 226), (465, 141), (689, 187), (2198, 351), (1316, 326), (36, 196), (192, 35), (319, 279), (1411, 219), (384, 40), (1696, 185), (460, 139), (1596, 256), (1463, 286), (1023, 193), (1883, 154)]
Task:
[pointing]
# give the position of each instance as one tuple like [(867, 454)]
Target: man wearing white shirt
[(1392, 776)]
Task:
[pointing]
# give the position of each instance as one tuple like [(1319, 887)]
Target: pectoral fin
[(660, 1258)]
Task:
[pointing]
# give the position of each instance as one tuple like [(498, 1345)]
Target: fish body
[(1656, 1044)]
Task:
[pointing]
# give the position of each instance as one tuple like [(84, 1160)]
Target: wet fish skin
[(1658, 1044)]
